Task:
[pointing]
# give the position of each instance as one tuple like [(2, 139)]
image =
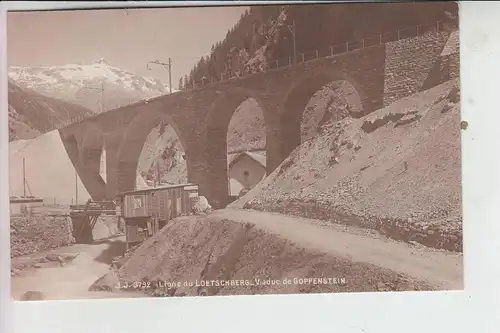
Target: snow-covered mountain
[(81, 84)]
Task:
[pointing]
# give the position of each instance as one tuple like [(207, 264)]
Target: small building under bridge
[(144, 211)]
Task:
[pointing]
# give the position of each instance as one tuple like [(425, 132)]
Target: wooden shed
[(146, 211)]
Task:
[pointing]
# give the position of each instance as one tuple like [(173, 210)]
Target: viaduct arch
[(217, 123), (133, 142), (292, 111)]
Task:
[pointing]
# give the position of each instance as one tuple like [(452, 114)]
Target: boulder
[(201, 205), (32, 296), (53, 257), (108, 282)]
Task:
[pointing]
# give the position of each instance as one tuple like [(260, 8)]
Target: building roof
[(259, 158), (231, 158), (235, 187)]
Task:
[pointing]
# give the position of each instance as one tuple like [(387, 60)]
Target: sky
[(127, 39)]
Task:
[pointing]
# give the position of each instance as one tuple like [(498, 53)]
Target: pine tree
[(181, 86)]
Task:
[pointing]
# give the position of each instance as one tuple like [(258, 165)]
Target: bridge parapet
[(304, 57)]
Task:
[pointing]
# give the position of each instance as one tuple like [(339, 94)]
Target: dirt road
[(439, 268), (72, 280)]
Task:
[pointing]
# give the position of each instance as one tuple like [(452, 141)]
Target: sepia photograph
[(234, 150)]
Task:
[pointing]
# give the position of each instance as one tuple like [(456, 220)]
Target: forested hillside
[(262, 34)]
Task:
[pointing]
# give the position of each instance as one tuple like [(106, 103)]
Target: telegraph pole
[(76, 187), (292, 31), (102, 97), (158, 178), (24, 177), (170, 75), (168, 66)]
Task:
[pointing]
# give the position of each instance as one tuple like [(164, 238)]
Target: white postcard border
[(474, 309)]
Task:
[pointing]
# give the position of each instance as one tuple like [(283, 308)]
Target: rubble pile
[(201, 205), (37, 233)]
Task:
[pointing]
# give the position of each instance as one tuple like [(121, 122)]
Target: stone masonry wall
[(409, 62)]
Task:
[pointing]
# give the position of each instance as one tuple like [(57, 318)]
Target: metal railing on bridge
[(331, 51)]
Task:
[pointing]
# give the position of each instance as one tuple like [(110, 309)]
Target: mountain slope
[(31, 113), (81, 84), (18, 129)]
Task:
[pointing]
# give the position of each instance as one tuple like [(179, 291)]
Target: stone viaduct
[(201, 118)]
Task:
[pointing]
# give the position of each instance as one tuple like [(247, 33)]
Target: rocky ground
[(37, 233), (396, 170)]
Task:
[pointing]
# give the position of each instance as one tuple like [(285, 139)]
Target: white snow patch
[(46, 78), (89, 72)]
